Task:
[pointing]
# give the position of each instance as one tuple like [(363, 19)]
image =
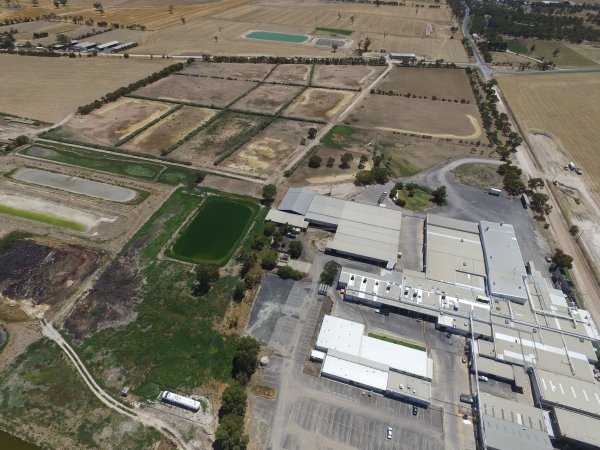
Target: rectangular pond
[(278, 37), (215, 231), (75, 185)]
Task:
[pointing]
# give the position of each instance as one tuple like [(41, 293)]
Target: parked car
[(415, 410), (390, 432), (483, 378)]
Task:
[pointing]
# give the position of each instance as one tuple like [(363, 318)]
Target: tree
[(534, 183), (247, 258), (7, 41), (295, 249), (269, 228), (556, 52), (63, 2), (34, 2), (329, 272), (216, 38), (439, 196), (346, 159), (63, 39), (312, 132), (21, 140), (352, 20), (240, 291), (245, 358), (363, 160), (269, 260), (206, 276), (314, 161), (183, 20), (574, 230), (532, 48), (56, 4), (363, 178), (269, 192), (334, 47), (171, 7), (330, 161), (233, 401), (97, 6), (287, 273), (230, 434), (562, 260), (366, 44)]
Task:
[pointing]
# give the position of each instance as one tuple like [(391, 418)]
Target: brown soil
[(443, 83), (417, 116), (478, 175), (345, 76), (233, 185), (170, 130), (203, 91), (111, 301), (319, 104), (269, 149), (43, 271), (251, 72), (114, 121), (267, 98), (290, 73)]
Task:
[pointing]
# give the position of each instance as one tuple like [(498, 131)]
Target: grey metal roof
[(577, 427), (297, 200), (503, 435), (512, 411)]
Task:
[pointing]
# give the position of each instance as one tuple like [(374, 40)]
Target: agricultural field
[(451, 84), (351, 77), (564, 107), (269, 149), (195, 90), (113, 122), (290, 73), (156, 139), (589, 51), (567, 55), (243, 71), (267, 98), (213, 234), (70, 82), (223, 135), (418, 116), (319, 104)]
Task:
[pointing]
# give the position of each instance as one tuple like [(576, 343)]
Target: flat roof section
[(577, 427), (341, 335), (501, 434), (400, 384), (495, 368), (297, 200), (282, 217), (455, 224), (503, 260), (515, 412), (359, 374), (397, 357)]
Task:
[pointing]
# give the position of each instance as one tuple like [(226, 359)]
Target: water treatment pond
[(75, 185), (280, 37), (215, 231), (8, 441)]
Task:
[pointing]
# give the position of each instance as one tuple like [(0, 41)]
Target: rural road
[(167, 430)]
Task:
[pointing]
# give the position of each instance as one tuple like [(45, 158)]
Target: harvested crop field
[(196, 90), (290, 73), (565, 107), (319, 104), (41, 271), (269, 149), (112, 122), (353, 77), (267, 98), (68, 82), (220, 136), (170, 130), (417, 116), (242, 71), (428, 82)]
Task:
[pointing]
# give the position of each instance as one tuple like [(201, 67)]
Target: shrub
[(286, 273), (295, 249), (269, 261), (329, 272)]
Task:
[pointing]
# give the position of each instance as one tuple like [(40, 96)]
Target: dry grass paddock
[(319, 104), (353, 77), (267, 98)]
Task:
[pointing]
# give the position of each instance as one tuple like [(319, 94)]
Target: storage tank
[(180, 401)]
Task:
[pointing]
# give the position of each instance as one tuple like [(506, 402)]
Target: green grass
[(171, 343), (420, 200), (517, 46), (40, 217), (215, 232), (565, 57), (4, 340), (340, 137), (398, 341), (333, 31), (13, 236)]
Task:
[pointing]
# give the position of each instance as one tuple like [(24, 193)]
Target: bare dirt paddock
[(417, 116), (267, 98), (319, 104), (290, 73), (63, 84), (353, 77), (242, 71)]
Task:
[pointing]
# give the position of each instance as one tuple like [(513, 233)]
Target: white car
[(390, 432)]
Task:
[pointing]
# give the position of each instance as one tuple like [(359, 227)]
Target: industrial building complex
[(474, 283)]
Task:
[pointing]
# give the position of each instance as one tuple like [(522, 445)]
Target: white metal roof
[(397, 357), (357, 373), (108, 44), (341, 335)]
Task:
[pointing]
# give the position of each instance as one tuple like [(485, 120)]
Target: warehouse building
[(576, 429), (362, 231)]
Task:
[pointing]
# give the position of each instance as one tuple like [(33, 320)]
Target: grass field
[(565, 106), (212, 235), (69, 83), (398, 341), (40, 217), (518, 46), (419, 199), (482, 176), (565, 57)]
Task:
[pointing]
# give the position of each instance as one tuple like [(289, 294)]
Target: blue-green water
[(281, 37)]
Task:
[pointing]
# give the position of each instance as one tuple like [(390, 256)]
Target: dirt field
[(269, 149), (218, 137), (428, 82), (73, 81), (267, 98), (565, 107), (481, 176), (417, 116), (203, 91), (12, 127), (290, 73), (170, 130), (114, 121), (353, 77), (319, 104), (250, 72)]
